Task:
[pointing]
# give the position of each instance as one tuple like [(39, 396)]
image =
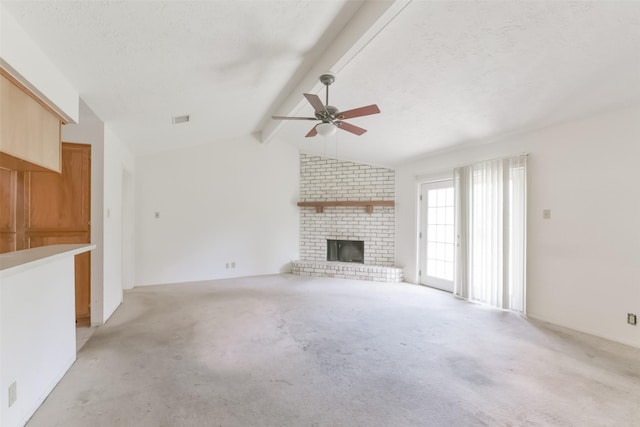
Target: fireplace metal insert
[(345, 250)]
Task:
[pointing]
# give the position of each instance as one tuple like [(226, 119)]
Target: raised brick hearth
[(347, 270), (322, 180)]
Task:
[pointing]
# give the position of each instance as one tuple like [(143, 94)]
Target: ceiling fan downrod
[(327, 79)]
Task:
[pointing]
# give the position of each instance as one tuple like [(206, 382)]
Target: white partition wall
[(37, 327)]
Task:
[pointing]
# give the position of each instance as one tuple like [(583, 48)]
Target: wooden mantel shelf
[(367, 204)]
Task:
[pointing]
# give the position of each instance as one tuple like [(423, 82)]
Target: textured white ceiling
[(138, 63), (450, 73), (443, 73)]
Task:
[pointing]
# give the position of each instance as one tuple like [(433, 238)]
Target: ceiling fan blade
[(315, 102), (351, 128), (359, 112), (312, 132), (292, 118)]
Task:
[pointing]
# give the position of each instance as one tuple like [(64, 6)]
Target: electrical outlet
[(233, 264), (226, 265), (13, 393), (631, 319)]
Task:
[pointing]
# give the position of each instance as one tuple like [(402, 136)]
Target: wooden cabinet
[(28, 131), (60, 201)]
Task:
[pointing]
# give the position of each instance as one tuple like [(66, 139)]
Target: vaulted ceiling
[(444, 74)]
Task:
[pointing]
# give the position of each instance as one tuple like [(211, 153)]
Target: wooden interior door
[(58, 210)]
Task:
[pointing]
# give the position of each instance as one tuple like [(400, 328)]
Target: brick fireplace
[(338, 182)]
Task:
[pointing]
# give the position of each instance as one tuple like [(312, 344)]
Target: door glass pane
[(440, 233)]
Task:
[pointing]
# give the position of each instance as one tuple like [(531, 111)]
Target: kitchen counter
[(15, 262)]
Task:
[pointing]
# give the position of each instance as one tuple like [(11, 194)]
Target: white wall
[(20, 55), (109, 159), (117, 159), (90, 130), (583, 264), (229, 201)]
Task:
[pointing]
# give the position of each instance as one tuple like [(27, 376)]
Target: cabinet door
[(8, 185), (28, 131), (60, 202)]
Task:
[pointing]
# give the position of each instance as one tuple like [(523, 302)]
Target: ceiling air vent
[(180, 119)]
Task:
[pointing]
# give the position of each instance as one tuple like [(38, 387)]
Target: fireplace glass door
[(345, 251)]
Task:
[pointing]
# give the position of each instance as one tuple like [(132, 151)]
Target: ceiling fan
[(329, 116)]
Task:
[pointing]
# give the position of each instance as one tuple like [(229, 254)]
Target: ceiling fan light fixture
[(326, 129)]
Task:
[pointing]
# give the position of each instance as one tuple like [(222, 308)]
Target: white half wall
[(37, 335), (225, 202), (583, 264)]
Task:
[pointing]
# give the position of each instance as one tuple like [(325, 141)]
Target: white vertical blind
[(490, 231), (518, 232)]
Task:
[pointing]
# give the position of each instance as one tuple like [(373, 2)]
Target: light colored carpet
[(297, 351)]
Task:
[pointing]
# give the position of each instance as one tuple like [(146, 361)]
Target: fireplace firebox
[(345, 250)]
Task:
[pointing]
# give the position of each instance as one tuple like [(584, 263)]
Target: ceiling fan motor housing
[(328, 115)]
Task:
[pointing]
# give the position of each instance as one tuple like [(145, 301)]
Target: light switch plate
[(546, 214)]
